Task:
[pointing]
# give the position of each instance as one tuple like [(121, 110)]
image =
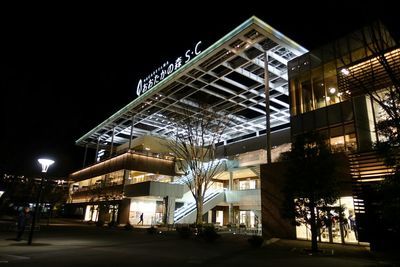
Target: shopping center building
[(136, 173)]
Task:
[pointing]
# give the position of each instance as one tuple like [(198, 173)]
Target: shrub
[(184, 231), (128, 227), (256, 241), (197, 229), (151, 230), (112, 224), (208, 233), (100, 223)]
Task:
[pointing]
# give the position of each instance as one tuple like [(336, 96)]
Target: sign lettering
[(166, 69)]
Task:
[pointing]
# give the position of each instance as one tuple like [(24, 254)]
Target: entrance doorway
[(247, 217), (337, 224)]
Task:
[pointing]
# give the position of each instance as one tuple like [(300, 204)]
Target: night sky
[(65, 69)]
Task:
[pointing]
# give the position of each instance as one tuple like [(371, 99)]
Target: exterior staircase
[(187, 213)]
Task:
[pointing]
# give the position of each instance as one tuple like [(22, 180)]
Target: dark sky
[(65, 69)]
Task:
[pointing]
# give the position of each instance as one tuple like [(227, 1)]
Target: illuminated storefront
[(337, 228)]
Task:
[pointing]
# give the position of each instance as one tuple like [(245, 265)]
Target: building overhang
[(127, 161), (228, 76)]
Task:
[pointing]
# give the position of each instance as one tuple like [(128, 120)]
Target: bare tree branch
[(194, 145)]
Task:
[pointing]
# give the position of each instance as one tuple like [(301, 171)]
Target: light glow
[(345, 71), (370, 180), (45, 164)]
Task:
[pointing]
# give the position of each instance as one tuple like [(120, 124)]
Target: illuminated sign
[(166, 69)]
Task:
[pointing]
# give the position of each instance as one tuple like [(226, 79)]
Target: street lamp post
[(45, 166)]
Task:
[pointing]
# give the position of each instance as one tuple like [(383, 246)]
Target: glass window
[(294, 98), (336, 131), (337, 139), (318, 88), (349, 128), (351, 142), (321, 118), (334, 114), (298, 99), (358, 54), (347, 111), (217, 185), (337, 144), (307, 96), (342, 52), (249, 184), (342, 224), (333, 95)]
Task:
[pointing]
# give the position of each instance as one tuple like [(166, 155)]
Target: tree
[(311, 185), (19, 191), (54, 194), (193, 143)]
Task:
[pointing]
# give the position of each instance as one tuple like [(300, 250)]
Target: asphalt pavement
[(73, 243)]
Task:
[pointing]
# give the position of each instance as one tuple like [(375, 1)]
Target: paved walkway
[(71, 243)]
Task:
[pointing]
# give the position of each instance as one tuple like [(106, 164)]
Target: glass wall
[(111, 179), (338, 223), (139, 177), (147, 207), (313, 76), (219, 217), (91, 213), (247, 218), (314, 89), (335, 122), (246, 183), (318, 88), (343, 138)]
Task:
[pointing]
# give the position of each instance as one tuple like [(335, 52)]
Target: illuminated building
[(135, 172)]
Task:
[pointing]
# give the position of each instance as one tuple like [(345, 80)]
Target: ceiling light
[(345, 71)]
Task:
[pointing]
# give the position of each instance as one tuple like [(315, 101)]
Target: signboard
[(166, 69)]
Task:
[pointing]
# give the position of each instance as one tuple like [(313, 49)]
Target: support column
[(112, 143), (268, 134), (123, 211), (130, 136), (126, 177), (169, 209), (97, 149), (126, 172), (267, 109), (84, 156), (230, 187)]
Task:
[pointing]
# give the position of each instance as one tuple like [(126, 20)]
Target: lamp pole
[(45, 166)]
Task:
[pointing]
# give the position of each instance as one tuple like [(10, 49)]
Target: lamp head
[(45, 164)]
